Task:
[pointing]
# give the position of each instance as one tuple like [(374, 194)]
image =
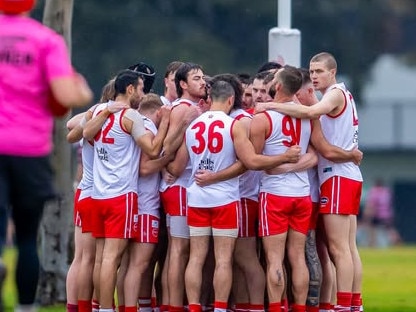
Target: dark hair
[(291, 79), (245, 78), (306, 77), (221, 90), (125, 78), (261, 75), (147, 73), (268, 66), (182, 75), (235, 83), (172, 67)]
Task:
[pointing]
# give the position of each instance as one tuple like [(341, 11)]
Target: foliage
[(231, 36)]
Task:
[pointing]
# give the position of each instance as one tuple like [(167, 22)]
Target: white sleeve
[(138, 128)]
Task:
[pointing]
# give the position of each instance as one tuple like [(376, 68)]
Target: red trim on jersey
[(241, 116), (121, 123), (182, 103), (269, 118), (250, 110), (345, 105)]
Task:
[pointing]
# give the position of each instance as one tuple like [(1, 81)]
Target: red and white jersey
[(116, 158), (341, 131), (148, 186), (286, 131), (185, 179), (210, 145), (249, 180), (85, 185)]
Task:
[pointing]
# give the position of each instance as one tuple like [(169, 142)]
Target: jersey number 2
[(104, 132)]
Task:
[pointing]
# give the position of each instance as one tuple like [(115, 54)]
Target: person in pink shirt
[(35, 68)]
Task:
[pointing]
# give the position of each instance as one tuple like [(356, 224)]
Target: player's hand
[(167, 177), (191, 113), (261, 107), (114, 107), (204, 177), (293, 153), (164, 112), (357, 156)]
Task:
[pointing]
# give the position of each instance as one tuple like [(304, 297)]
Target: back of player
[(115, 158), (209, 141)]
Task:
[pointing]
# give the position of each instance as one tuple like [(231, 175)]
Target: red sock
[(121, 308), (298, 308), (326, 306), (71, 307), (356, 302), (194, 307), (344, 299), (130, 309), (312, 309), (164, 308), (95, 304), (153, 302), (275, 307), (285, 304), (176, 309), (256, 307), (84, 306), (242, 306), (220, 305)]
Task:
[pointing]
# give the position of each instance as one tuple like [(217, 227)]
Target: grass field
[(389, 280)]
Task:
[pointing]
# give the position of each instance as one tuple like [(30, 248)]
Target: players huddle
[(227, 192)]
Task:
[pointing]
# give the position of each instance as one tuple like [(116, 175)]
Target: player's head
[(148, 75), (269, 66), (327, 58), (124, 80), (108, 91), (323, 70), (288, 80), (235, 83), (190, 76), (16, 6), (223, 92)]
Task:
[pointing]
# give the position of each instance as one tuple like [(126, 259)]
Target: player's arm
[(246, 153), (95, 124), (150, 144), (178, 165), (259, 127), (149, 166), (207, 177), (306, 161), (332, 152), (180, 118), (76, 125), (331, 102)]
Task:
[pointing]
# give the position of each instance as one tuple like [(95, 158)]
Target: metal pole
[(284, 14)]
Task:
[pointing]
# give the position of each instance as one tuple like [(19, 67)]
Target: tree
[(55, 229)]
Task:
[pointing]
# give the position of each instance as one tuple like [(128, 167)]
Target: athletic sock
[(298, 308), (84, 306), (71, 307)]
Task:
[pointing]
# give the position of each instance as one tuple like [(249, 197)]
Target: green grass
[(389, 283)]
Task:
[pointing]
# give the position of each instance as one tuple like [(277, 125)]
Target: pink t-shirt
[(31, 55)]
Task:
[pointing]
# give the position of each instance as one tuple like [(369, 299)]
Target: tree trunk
[(56, 229)]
